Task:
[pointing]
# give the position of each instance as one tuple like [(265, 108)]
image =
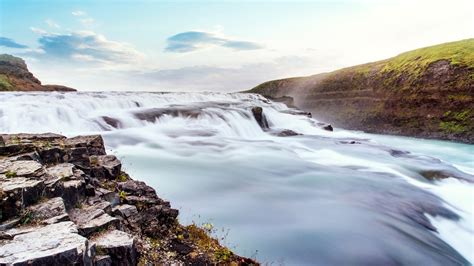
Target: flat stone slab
[(21, 168), (63, 170), (56, 244), (99, 223), (125, 210)]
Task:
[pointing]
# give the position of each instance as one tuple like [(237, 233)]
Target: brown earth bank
[(15, 76), (426, 93), (63, 201)]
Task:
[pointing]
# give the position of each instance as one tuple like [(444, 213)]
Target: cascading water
[(320, 198)]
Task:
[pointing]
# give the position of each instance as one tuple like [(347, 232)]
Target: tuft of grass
[(122, 195), (122, 177), (10, 174)]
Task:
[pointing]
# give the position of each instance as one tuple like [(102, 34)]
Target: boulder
[(260, 117), (119, 245), (105, 166), (55, 244), (93, 218)]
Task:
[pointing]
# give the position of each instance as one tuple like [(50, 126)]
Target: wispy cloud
[(7, 42), (52, 24), (85, 46), (87, 21), (195, 40), (78, 13)]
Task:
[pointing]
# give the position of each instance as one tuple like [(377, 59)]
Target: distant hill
[(428, 92), (15, 76)]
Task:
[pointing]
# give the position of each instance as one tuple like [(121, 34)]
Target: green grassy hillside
[(427, 92)]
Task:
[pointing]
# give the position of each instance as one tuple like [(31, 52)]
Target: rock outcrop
[(64, 201), (15, 76), (426, 93)]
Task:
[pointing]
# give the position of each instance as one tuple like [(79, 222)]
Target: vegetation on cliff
[(428, 92), (15, 76)]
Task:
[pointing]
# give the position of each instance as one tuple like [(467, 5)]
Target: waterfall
[(319, 197)]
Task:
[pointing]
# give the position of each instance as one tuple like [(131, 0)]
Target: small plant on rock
[(10, 174), (122, 195)]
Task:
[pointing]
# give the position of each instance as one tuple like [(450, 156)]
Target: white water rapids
[(320, 198)]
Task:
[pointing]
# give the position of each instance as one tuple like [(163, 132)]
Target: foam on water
[(319, 198)]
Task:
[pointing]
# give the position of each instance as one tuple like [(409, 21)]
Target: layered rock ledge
[(64, 201)]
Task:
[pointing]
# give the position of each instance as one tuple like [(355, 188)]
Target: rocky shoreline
[(64, 201)]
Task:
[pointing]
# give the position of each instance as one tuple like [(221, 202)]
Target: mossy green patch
[(5, 84), (452, 127)]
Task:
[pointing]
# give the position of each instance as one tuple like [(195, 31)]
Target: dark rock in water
[(113, 122), (151, 115), (260, 117), (286, 133), (47, 180), (328, 128)]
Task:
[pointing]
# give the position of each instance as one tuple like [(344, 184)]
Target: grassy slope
[(406, 84)]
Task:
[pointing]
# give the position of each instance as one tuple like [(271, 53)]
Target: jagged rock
[(53, 182), (125, 210), (17, 193), (50, 211), (55, 244), (103, 260), (119, 246), (106, 195), (53, 155), (260, 117), (137, 188), (105, 166)]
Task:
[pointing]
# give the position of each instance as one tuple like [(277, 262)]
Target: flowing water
[(320, 198)]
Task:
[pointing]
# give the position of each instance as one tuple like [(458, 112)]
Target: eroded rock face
[(65, 202)]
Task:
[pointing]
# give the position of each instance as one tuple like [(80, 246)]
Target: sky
[(96, 45)]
